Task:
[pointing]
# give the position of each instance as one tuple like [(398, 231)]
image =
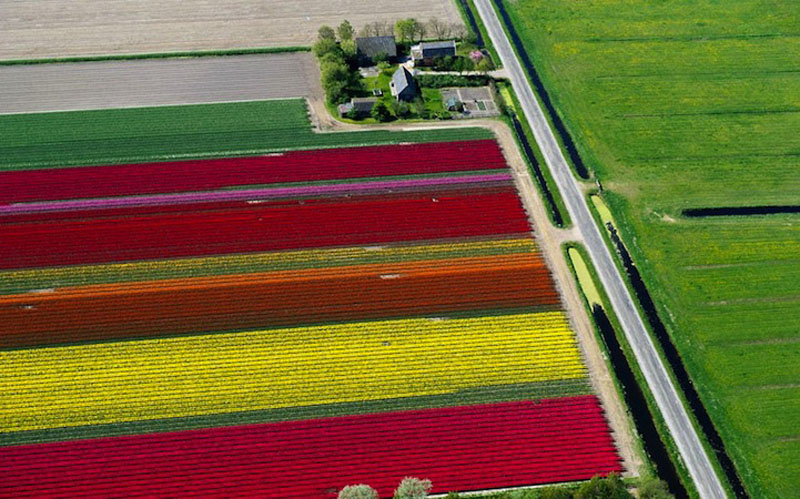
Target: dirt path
[(549, 239)]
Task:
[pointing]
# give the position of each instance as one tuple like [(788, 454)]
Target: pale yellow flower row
[(301, 366)]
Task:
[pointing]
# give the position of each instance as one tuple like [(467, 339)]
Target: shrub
[(326, 33), (413, 488), (352, 114), (440, 81), (401, 109), (380, 58), (360, 491), (325, 46), (345, 30), (380, 112), (653, 488), (609, 488)]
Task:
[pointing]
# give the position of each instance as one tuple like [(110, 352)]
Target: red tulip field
[(283, 326)]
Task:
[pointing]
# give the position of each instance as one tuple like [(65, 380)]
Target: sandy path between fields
[(549, 239)]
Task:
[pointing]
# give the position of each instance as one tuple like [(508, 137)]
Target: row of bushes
[(337, 63), (409, 488), (441, 81), (611, 487)]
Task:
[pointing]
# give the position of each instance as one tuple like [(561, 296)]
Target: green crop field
[(691, 104), (172, 132)]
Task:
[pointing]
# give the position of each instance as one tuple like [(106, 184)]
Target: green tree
[(336, 78), (380, 57), (407, 29), (400, 108), (360, 491), (380, 112), (484, 65), (611, 487), (326, 33), (345, 31), (419, 107), (352, 114), (325, 46), (653, 488), (413, 488), (349, 50), (555, 493)]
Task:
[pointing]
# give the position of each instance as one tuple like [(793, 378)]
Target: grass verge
[(474, 22), (554, 119), (691, 402), (594, 295), (557, 211)]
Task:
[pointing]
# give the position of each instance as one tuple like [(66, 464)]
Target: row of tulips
[(270, 329), (458, 448)]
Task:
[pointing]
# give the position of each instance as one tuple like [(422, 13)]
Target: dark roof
[(371, 46), (363, 103), (438, 45), (401, 79)]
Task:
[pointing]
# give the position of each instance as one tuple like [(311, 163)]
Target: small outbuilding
[(425, 52), (362, 106), (403, 85), (370, 47)]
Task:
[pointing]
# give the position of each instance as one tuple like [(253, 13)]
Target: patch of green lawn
[(432, 97), (690, 104)]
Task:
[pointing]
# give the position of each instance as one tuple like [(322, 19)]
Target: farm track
[(238, 370), (157, 82)]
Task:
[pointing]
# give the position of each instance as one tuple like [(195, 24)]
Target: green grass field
[(173, 132), (689, 104)]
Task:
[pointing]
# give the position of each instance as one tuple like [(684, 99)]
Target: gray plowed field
[(156, 82), (59, 28)]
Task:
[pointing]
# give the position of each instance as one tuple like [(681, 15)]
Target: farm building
[(370, 47), (362, 106), (425, 52), (403, 86)]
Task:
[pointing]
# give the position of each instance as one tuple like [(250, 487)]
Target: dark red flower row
[(97, 237), (458, 448), (203, 175)]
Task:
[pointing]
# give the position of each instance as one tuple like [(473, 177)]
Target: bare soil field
[(157, 82), (63, 28)]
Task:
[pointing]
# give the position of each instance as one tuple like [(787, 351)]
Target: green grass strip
[(156, 55), (483, 395)]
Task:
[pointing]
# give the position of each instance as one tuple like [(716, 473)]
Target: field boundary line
[(156, 55)]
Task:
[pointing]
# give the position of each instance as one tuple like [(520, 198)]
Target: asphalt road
[(694, 456), (156, 82)]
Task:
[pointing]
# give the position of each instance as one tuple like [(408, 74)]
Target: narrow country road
[(694, 456)]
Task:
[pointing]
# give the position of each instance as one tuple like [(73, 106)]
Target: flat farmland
[(683, 105), (157, 82), (132, 135), (330, 313), (62, 28)]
